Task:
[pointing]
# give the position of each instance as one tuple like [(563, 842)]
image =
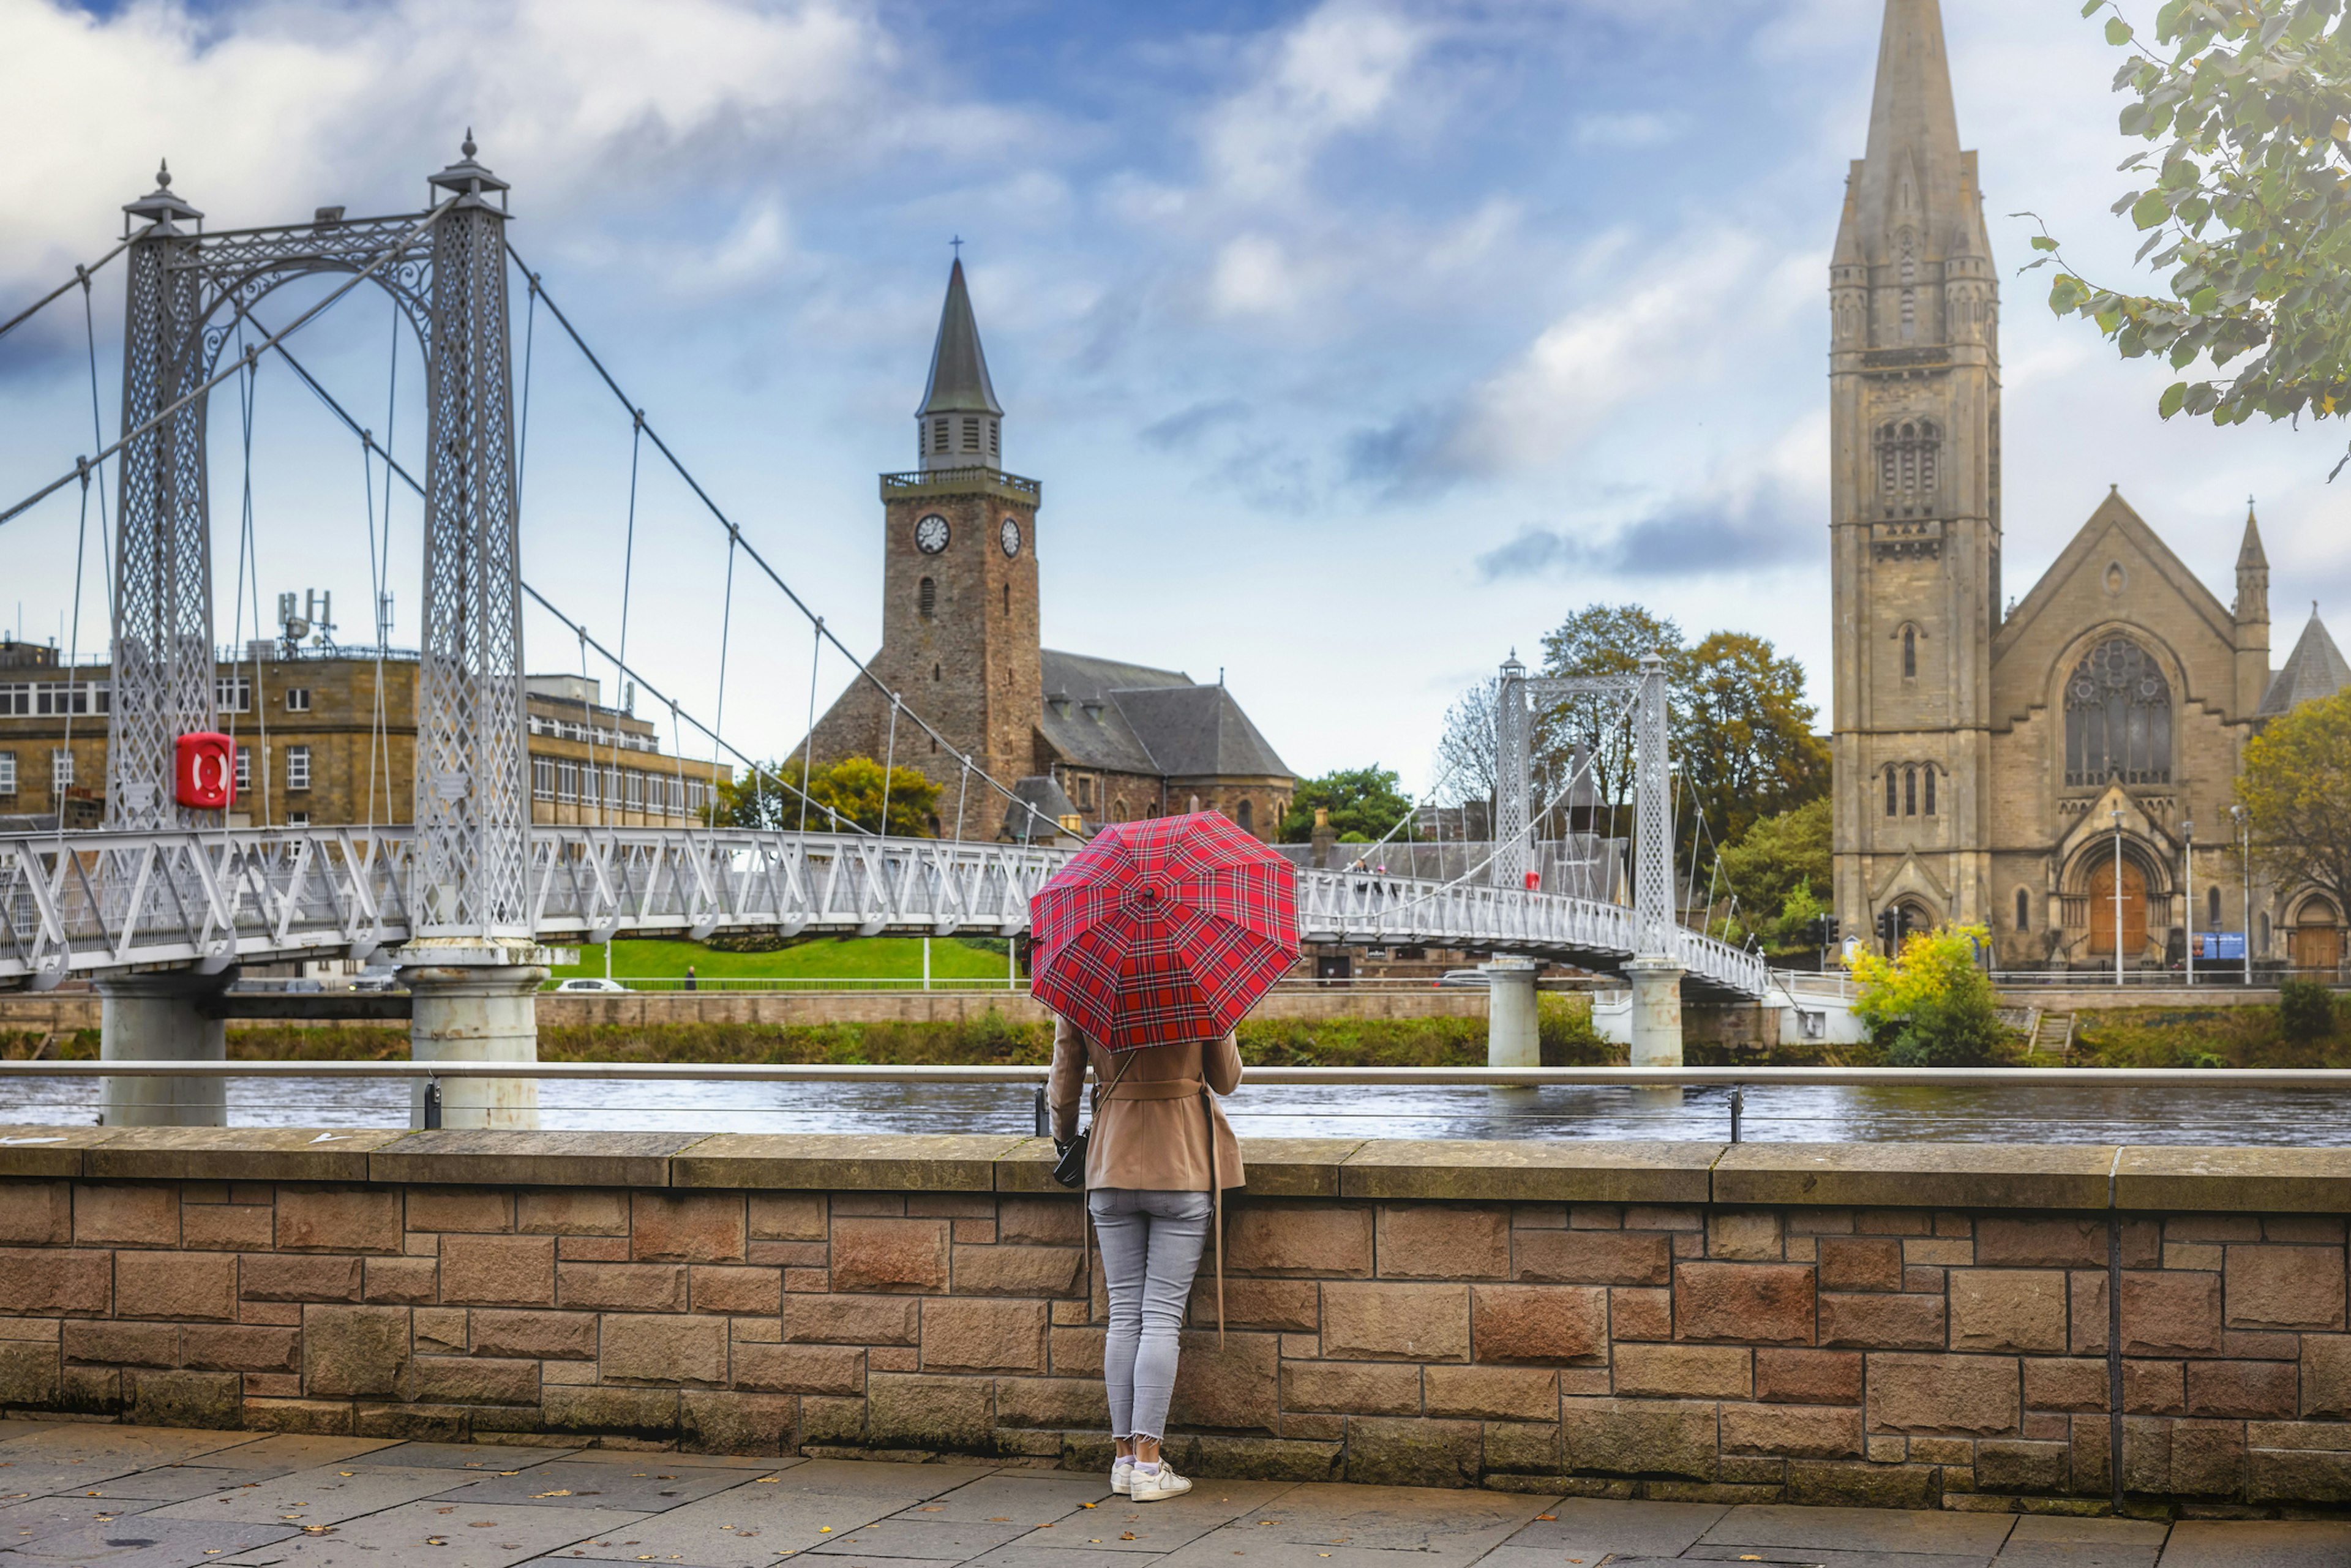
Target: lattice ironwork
[(473, 786), (103, 902)]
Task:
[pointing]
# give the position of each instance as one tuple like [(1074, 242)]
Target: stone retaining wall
[(1910, 1325)]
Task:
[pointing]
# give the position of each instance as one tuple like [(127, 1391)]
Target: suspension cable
[(391, 252), (629, 550), (97, 437), (725, 634), (81, 278), (808, 742), (735, 533)]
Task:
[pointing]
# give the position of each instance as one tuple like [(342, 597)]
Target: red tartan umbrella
[(1163, 930)]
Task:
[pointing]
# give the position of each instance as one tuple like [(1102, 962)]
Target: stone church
[(1082, 740), (1991, 755)]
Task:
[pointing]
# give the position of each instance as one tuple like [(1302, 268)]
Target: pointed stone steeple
[(2315, 668), (959, 424), (2251, 614)]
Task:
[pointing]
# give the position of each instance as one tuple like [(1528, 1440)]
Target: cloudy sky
[(1355, 343)]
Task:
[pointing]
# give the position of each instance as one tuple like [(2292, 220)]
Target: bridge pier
[(474, 1001), (161, 1017), (1656, 1011), (1514, 1032)]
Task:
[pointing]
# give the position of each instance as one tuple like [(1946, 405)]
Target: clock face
[(931, 534), (1009, 536)]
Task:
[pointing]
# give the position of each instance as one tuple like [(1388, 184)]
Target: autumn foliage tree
[(2296, 788)]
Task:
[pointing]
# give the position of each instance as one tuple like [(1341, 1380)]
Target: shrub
[(1931, 1005), (2305, 1010)]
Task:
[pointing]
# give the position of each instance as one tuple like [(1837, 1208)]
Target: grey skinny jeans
[(1151, 1246)]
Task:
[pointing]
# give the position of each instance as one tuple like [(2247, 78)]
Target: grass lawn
[(852, 958)]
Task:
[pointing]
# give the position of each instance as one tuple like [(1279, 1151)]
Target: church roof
[(1133, 718), (959, 382), (1037, 796), (2250, 557), (1913, 169), (2315, 669)]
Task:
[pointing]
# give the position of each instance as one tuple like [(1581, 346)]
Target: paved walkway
[(134, 1497)]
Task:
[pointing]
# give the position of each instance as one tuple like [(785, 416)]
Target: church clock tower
[(1913, 384), (959, 632)]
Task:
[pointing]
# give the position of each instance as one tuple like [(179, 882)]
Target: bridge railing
[(211, 898)]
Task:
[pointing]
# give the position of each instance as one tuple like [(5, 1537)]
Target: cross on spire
[(956, 244)]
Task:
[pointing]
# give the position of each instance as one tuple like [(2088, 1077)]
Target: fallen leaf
[(1007, 1519), (566, 1493), (481, 1524), (1544, 1516), (338, 1472), (773, 1480)]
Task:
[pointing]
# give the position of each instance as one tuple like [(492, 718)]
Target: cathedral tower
[(959, 625), (1914, 382)]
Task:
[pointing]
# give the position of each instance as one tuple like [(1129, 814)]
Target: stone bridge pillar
[(1513, 1036), (475, 1002), (1656, 1011), (162, 1016)]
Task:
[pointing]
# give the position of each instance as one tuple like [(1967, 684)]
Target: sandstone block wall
[(1913, 1326)]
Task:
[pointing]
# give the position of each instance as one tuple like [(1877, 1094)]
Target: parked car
[(592, 986), (377, 978)]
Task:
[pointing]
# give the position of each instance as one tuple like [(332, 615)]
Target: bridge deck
[(91, 902)]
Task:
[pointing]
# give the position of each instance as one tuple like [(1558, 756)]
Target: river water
[(1791, 1113)]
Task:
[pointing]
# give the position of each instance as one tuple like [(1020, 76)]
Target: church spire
[(2253, 576), (957, 426)]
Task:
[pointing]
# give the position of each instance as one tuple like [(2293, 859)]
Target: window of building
[(927, 598), (1930, 791), (15, 698), (1008, 599), (243, 768), (1909, 792), (1245, 815), (993, 438), (1908, 457), (298, 819), (935, 671), (636, 787), (7, 773), (2023, 910), (542, 778), (297, 768), (2118, 718), (2213, 908), (2264, 947), (1893, 787), (567, 780), (233, 693), (970, 433), (77, 697), (1909, 652), (298, 699), (60, 771), (938, 435)]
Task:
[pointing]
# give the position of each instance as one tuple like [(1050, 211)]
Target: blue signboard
[(2219, 944)]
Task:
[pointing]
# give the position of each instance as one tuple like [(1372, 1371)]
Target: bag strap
[(1216, 1208), (1086, 1207)]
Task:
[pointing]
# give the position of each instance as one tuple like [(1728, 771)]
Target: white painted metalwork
[(92, 902)]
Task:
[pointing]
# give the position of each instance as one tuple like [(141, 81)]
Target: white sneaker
[(1121, 1475), (1160, 1487)]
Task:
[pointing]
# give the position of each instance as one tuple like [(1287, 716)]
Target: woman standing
[(1159, 1155)]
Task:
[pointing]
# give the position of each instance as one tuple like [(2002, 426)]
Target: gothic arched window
[(1909, 651), (1246, 816), (1909, 792), (1892, 785), (2212, 908), (2023, 910), (1930, 791), (2118, 717), (926, 597), (1908, 458)]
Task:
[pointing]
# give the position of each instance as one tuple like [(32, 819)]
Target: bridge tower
[(472, 963)]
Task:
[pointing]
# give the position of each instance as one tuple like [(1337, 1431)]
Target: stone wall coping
[(2139, 1177)]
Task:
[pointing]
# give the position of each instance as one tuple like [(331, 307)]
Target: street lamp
[(2245, 851), (2117, 814), (2188, 868)]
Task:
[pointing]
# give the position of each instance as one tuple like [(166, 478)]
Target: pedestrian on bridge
[(1149, 947)]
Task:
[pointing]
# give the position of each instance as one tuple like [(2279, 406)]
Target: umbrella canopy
[(1163, 930)]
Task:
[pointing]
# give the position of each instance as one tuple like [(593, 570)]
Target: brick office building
[(1103, 740), (327, 737)]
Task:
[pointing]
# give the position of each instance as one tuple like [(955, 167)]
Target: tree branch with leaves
[(2249, 106)]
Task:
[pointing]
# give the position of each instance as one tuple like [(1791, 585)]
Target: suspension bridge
[(162, 900)]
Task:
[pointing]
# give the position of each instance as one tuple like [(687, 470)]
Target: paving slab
[(924, 1539), (1021, 1555), (1016, 1497), (290, 1451), (2257, 1543), (1151, 1528), (2076, 1555), (1815, 1557), (1592, 1528), (765, 1465), (437, 1535), (1449, 1522), (1569, 1556), (870, 1478), (749, 1526), (42, 1516), (146, 1542), (82, 1457), (327, 1495), (1219, 1549), (647, 1487), (179, 1483), (491, 1457), (2032, 1528), (1756, 1525)]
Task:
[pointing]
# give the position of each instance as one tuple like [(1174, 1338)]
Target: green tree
[(2296, 788), (1931, 1005), (1363, 802), (854, 788), (2246, 200), (1743, 735), (1597, 640), (1780, 866)]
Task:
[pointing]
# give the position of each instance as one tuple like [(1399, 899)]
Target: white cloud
[(1595, 132), (1335, 72)]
